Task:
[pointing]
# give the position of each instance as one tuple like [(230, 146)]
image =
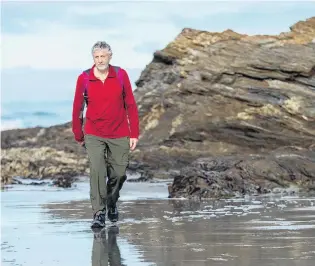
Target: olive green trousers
[(108, 160)]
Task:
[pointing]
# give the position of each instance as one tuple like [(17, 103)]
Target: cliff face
[(216, 94), (216, 97), (220, 93)]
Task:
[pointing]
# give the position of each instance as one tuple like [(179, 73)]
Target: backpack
[(86, 74)]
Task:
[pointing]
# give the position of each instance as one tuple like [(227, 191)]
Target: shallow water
[(50, 226)]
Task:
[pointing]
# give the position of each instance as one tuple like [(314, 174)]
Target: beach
[(45, 225)]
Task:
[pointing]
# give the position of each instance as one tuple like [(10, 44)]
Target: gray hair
[(102, 45)]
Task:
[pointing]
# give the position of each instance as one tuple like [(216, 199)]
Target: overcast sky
[(46, 45)]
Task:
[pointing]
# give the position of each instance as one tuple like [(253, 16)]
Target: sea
[(25, 114)]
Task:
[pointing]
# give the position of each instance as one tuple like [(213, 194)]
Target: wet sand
[(50, 226)]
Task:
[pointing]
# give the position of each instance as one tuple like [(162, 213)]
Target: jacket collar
[(111, 72)]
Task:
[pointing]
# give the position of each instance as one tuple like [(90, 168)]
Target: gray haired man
[(110, 132)]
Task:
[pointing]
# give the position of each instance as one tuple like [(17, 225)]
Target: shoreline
[(292, 190), (154, 229)]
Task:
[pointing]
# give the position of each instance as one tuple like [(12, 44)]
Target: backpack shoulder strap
[(118, 73), (86, 76), (120, 78)]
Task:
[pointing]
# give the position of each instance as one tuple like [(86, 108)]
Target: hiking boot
[(99, 220), (113, 214)]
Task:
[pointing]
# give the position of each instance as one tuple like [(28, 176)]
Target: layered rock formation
[(226, 94), (283, 170), (224, 97), (41, 153)]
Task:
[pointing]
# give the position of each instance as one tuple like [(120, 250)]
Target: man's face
[(101, 59)]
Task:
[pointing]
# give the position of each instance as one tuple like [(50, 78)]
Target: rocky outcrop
[(216, 96), (283, 170), (42, 153), (226, 95), (42, 162)]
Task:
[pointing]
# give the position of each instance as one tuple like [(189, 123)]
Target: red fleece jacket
[(106, 115)]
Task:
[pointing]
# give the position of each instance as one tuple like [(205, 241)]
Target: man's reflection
[(105, 250)]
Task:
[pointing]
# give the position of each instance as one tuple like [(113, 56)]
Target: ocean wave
[(17, 115), (18, 120), (32, 114), (40, 113), (11, 124)]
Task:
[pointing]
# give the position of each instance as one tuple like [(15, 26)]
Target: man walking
[(111, 129)]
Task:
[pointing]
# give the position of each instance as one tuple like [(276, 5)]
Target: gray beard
[(102, 68)]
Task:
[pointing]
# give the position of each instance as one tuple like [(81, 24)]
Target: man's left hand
[(133, 143)]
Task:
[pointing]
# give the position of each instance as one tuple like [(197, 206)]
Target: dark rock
[(63, 182), (230, 176)]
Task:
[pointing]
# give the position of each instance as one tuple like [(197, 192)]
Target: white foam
[(11, 124), (310, 208), (285, 227)]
